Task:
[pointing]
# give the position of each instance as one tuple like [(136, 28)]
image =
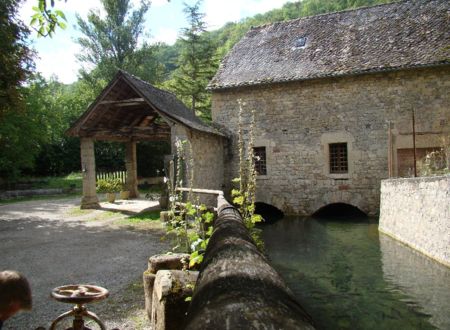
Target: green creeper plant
[(190, 222), (245, 197)]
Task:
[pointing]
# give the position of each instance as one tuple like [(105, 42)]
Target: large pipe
[(236, 287)]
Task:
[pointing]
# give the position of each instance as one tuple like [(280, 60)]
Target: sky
[(56, 56)]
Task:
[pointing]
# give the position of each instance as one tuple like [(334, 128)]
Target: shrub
[(109, 185)]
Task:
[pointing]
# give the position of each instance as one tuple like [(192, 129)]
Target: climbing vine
[(190, 222), (245, 196)]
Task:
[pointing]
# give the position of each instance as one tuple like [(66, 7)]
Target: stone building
[(334, 96), (130, 110)]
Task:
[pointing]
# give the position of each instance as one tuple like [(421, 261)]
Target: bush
[(109, 185)]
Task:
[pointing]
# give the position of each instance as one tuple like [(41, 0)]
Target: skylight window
[(300, 42)]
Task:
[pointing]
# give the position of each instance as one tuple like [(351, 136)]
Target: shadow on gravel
[(53, 253)]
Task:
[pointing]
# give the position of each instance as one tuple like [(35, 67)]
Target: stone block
[(167, 262), (169, 307), (156, 263)]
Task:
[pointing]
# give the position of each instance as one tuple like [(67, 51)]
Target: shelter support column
[(89, 200), (131, 165)]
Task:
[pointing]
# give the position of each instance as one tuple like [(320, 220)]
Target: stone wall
[(416, 211), (425, 281), (208, 158), (297, 121)]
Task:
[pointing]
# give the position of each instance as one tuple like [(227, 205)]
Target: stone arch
[(339, 210), (269, 212), (347, 197)]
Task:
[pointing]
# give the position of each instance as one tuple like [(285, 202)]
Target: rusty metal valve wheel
[(79, 295)]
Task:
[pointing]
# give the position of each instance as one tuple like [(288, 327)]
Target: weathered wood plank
[(127, 133), (125, 103)]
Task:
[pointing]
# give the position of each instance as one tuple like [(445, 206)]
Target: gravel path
[(53, 244)]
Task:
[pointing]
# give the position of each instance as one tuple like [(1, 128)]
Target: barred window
[(260, 160), (338, 158)]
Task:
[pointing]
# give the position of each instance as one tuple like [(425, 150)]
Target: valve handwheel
[(79, 294)]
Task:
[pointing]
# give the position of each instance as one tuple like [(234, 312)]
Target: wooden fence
[(121, 175)]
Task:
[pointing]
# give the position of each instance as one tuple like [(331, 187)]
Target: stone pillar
[(169, 305), (89, 200), (131, 165)]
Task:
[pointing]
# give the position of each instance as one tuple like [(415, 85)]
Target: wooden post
[(131, 165), (89, 200)]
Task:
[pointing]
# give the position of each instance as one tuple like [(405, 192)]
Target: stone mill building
[(334, 96)]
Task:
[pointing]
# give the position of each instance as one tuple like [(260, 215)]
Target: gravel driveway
[(54, 244)]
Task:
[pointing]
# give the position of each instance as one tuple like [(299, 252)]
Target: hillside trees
[(16, 148), (16, 62), (113, 42), (196, 63)]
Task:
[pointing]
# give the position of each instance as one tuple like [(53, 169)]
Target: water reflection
[(336, 270), (424, 280)]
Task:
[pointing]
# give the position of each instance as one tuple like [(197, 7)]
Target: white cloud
[(79, 7), (159, 3), (167, 35), (220, 12), (60, 61)]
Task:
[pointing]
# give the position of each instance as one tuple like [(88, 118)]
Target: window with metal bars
[(260, 160), (338, 158)]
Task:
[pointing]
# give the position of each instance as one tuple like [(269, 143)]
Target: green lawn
[(73, 180)]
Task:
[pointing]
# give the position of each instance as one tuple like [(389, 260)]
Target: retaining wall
[(416, 211)]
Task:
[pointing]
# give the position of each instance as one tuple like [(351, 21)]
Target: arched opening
[(339, 211), (268, 212)]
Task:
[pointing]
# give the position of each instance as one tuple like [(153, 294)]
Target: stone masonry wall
[(208, 157), (297, 121), (416, 211)]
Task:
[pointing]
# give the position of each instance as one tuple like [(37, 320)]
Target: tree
[(23, 132), (197, 63), (110, 43), (45, 20), (16, 61)]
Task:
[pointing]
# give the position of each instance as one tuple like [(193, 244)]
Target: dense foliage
[(35, 116), (196, 63), (15, 68)]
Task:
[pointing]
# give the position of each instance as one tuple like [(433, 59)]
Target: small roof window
[(300, 42)]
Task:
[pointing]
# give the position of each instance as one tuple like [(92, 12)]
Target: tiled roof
[(394, 36), (164, 102), (168, 104)]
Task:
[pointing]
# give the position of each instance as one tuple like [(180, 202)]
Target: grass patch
[(104, 215), (146, 216), (77, 211), (73, 180), (144, 220)]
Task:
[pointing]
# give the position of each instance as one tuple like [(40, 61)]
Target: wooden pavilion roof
[(132, 109)]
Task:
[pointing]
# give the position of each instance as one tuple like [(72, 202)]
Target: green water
[(347, 276)]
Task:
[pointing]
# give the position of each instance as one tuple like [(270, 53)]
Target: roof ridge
[(404, 34), (147, 83), (331, 13)]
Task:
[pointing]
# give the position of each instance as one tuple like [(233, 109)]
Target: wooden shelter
[(128, 110)]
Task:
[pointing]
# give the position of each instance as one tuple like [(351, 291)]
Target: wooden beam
[(124, 103), (128, 133)]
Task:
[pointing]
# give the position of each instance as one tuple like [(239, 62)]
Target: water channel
[(348, 276)]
